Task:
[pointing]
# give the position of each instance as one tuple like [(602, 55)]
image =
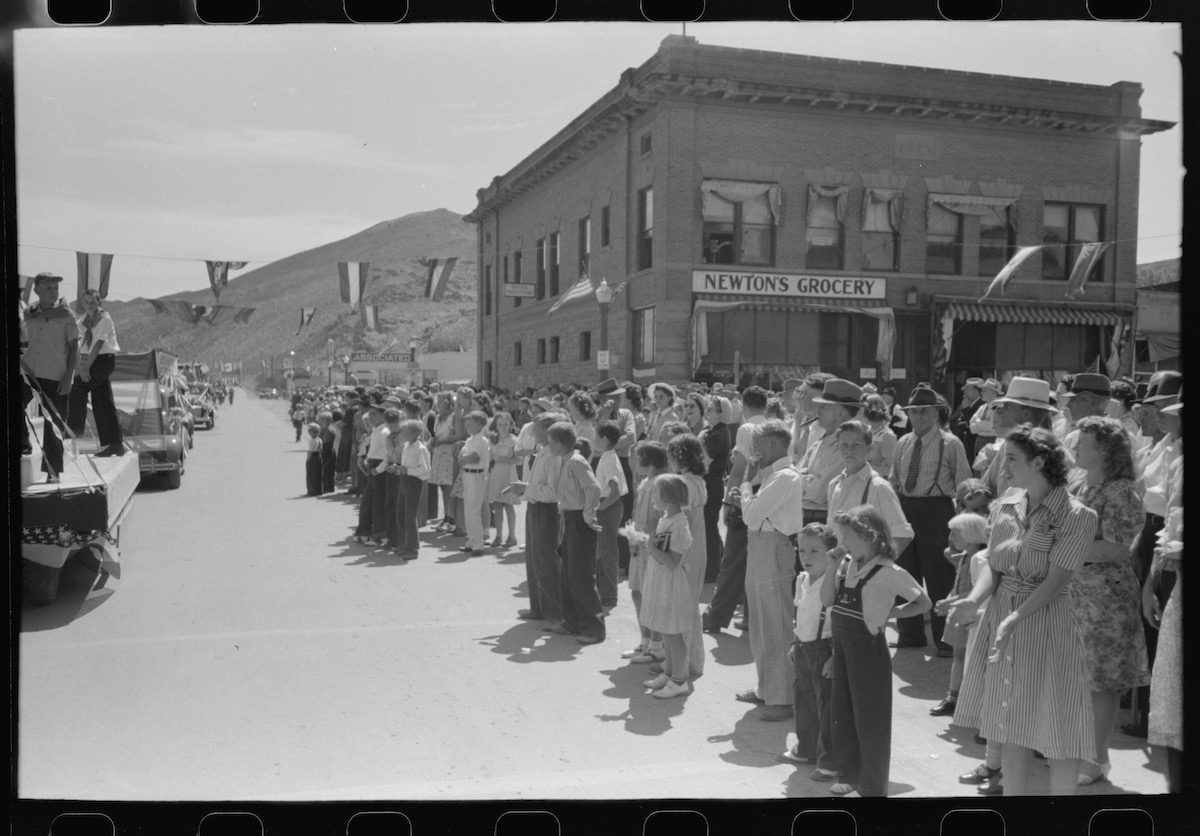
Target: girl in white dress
[(503, 474), (667, 604)]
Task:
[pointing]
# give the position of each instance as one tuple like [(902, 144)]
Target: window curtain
[(885, 345), (718, 195), (967, 204), (838, 193), (883, 210)]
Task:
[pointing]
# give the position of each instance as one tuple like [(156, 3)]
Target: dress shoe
[(945, 652), (793, 755), (672, 689), (944, 709), (750, 696), (708, 625), (589, 639), (657, 682), (904, 641), (528, 615), (647, 657), (981, 774), (991, 788), (776, 713)]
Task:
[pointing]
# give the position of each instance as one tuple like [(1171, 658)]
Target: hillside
[(1158, 273), (277, 291)]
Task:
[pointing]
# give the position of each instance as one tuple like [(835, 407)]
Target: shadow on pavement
[(927, 675), (755, 743), (731, 650), (525, 642), (521, 590), (75, 599), (645, 714)]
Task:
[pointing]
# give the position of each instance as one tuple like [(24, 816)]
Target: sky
[(171, 145)]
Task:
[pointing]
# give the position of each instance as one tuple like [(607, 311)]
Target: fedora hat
[(1028, 391), (993, 385), (1172, 409), (1163, 386), (923, 395), (545, 403), (840, 393), (791, 383), (1097, 384), (608, 388), (977, 382)]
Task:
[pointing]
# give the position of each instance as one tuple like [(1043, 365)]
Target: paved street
[(253, 651)]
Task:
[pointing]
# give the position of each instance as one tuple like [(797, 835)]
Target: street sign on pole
[(603, 360)]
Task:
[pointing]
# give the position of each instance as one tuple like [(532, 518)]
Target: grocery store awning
[(1040, 314)]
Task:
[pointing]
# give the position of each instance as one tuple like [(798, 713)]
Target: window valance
[(883, 210), (969, 204), (719, 195), (839, 195)]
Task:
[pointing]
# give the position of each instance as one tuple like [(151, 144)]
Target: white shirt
[(377, 446), (104, 330), (821, 463), (981, 421), (808, 610), (776, 506), (846, 492), (415, 459), (608, 470), (477, 443)]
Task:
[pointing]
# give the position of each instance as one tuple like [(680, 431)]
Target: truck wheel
[(174, 479)]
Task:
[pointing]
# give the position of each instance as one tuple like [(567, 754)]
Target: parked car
[(268, 393), (203, 406)]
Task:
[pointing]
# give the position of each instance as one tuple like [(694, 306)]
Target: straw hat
[(1028, 391), (840, 393)]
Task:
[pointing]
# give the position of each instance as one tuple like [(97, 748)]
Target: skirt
[(1106, 600), (668, 604), (441, 468)]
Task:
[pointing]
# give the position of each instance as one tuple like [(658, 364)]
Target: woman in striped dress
[(1026, 686)]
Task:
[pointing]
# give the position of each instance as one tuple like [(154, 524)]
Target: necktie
[(914, 467)]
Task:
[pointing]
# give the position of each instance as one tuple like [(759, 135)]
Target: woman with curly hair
[(694, 408), (1105, 593), (883, 440), (1026, 685), (582, 409), (685, 456), (664, 408)]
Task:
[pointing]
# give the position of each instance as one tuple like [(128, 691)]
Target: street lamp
[(346, 368), (604, 297)]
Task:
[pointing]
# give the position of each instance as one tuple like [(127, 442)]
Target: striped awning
[(814, 305), (1046, 314)]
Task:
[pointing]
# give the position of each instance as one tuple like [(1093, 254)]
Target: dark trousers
[(372, 507), (712, 535), (542, 574), (312, 474), (328, 461), (731, 581), (104, 410), (862, 709), (391, 504), (432, 500), (52, 446), (812, 701), (925, 561), (607, 557), (297, 425), (626, 514), (409, 510), (580, 598)]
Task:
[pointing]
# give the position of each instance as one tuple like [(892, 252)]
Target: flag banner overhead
[(94, 270), (191, 314), (218, 274), (435, 287), (1089, 255), (1006, 272), (370, 317), (352, 281), (306, 315), (580, 290)]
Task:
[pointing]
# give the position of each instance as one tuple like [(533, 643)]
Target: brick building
[(768, 214)]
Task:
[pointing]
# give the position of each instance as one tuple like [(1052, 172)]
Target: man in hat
[(609, 395), (1026, 402), (960, 418), (930, 462), (53, 337), (838, 402), (805, 428), (1088, 396), (980, 423)]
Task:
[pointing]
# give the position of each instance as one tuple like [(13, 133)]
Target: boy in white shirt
[(613, 486), (475, 458)]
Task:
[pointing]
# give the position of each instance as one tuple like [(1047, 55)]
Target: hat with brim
[(869, 389), (44, 278), (393, 400), (666, 387), (1168, 385), (977, 382), (1172, 409), (840, 393), (923, 395), (1028, 391), (545, 403), (791, 383), (1097, 384), (608, 389)]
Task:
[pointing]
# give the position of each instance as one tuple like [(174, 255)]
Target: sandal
[(1088, 780), (842, 788)]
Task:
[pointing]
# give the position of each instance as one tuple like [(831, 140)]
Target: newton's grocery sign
[(788, 285)]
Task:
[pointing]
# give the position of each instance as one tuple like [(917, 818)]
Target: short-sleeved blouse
[(1024, 544), (1119, 508), (718, 446)]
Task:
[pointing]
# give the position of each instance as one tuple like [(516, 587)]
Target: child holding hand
[(667, 604), (861, 584), (968, 541), (650, 460), (811, 652)]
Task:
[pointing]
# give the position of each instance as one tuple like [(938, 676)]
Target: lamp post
[(346, 368), (604, 297), (329, 349)]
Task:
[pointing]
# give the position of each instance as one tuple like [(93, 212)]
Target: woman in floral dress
[(445, 435), (1105, 593), (1026, 685), (685, 456)]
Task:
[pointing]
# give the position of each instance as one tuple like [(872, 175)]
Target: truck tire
[(173, 479)]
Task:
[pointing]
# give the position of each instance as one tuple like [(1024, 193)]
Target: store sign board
[(363, 357), (524, 291), (788, 285), (603, 360)]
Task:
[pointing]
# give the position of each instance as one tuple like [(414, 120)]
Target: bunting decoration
[(1116, 351), (370, 317), (580, 290), (352, 280), (94, 269), (306, 315), (1089, 255), (191, 314), (1007, 270), (435, 289), (218, 274)]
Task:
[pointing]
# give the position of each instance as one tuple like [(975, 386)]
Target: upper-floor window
[(605, 229), (645, 143), (585, 345), (554, 349), (541, 351), (585, 244), (1064, 227), (539, 287), (487, 290), (517, 275), (997, 240), (824, 234), (739, 222), (552, 264), (882, 210), (643, 337), (943, 241), (517, 353), (645, 238)]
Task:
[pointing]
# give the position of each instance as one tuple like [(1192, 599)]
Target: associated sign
[(524, 291), (788, 285), (364, 357)]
